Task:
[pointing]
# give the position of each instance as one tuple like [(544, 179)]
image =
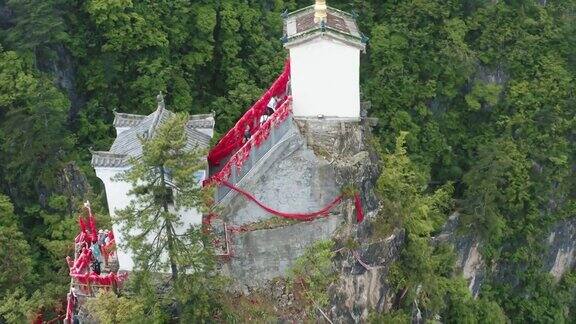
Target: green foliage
[(32, 108), (312, 273), (544, 300), (499, 186), (484, 90), (164, 178), (257, 306), (163, 182), (110, 309), (348, 191), (37, 23), (401, 186), (424, 273), (16, 265), (483, 94), (16, 307)]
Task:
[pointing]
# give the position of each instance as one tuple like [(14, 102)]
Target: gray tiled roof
[(201, 121), (107, 159), (299, 26), (127, 120), (128, 143)]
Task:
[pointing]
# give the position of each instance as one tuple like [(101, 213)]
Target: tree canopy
[(474, 99)]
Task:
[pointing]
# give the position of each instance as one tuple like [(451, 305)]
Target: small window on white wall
[(200, 175)]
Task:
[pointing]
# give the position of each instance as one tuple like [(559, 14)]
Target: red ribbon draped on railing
[(91, 221), (82, 261), (80, 267), (69, 308), (301, 216), (109, 279), (238, 159), (88, 227), (232, 140)]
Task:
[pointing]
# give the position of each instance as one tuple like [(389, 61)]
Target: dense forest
[(475, 99)]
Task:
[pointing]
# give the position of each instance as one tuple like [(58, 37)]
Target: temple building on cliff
[(274, 167), (324, 47), (129, 130), (296, 164), (296, 168)]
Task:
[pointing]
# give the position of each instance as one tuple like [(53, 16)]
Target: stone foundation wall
[(304, 175)]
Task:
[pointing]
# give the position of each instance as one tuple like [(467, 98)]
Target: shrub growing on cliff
[(111, 309), (312, 273), (423, 275), (402, 188)]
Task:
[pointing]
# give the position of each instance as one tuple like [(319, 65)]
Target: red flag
[(82, 224), (359, 211)]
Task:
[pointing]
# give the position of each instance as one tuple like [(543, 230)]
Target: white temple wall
[(118, 198), (325, 79)]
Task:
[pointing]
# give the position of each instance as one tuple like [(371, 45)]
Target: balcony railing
[(255, 154)]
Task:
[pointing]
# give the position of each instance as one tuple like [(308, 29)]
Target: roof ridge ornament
[(158, 114), (160, 100), (320, 11)]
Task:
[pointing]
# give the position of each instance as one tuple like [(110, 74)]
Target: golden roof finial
[(320, 11)]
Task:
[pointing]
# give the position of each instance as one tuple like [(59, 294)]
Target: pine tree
[(164, 183), (16, 265)]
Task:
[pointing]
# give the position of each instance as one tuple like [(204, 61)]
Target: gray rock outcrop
[(558, 258), (561, 248), (304, 172), (362, 286)]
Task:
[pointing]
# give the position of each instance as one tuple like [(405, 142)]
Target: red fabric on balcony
[(232, 140), (69, 308), (104, 280), (261, 134), (82, 261), (82, 225), (80, 267)]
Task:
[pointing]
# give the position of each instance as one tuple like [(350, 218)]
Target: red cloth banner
[(82, 261), (302, 216), (92, 223), (80, 267), (104, 280), (69, 308), (238, 159), (359, 210), (232, 140), (82, 225), (299, 216)]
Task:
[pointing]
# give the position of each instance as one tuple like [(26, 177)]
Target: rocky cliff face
[(62, 66), (362, 286), (561, 248), (558, 258), (305, 172), (469, 262)]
